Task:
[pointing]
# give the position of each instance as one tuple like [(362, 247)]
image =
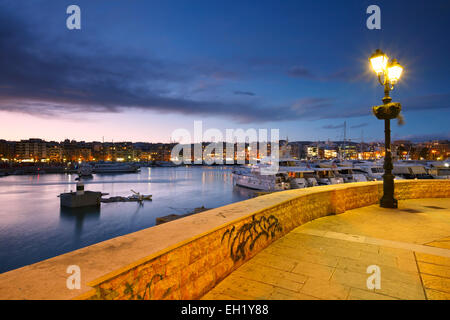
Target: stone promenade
[(328, 257)]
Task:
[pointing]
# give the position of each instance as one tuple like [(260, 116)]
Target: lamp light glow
[(379, 61), (394, 71)]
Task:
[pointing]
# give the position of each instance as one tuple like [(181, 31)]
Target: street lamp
[(388, 74)]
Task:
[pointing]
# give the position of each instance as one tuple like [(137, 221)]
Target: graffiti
[(248, 235), (111, 294), (129, 288)]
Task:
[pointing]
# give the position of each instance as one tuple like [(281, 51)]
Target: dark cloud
[(43, 77), (300, 72), (244, 93), (330, 126), (341, 75), (426, 102), (361, 125), (424, 137)]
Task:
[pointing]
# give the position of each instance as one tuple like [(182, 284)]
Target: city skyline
[(137, 72)]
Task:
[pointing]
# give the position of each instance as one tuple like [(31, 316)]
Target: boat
[(351, 174), (85, 170), (115, 168), (136, 197), (438, 170), (410, 171), (252, 178), (328, 173), (300, 175), (372, 170)]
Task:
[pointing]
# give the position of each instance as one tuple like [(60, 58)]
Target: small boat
[(85, 170), (171, 217), (136, 197)]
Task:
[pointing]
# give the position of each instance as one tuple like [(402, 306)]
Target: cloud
[(361, 125), (343, 75), (424, 137), (51, 81), (45, 77), (426, 102), (245, 93), (300, 72), (330, 126)]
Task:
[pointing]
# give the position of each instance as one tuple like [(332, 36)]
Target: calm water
[(33, 227)]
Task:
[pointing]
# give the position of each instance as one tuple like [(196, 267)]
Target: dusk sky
[(138, 70)]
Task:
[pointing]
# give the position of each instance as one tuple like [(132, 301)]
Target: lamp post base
[(388, 202)]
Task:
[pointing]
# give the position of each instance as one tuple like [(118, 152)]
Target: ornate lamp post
[(388, 75)]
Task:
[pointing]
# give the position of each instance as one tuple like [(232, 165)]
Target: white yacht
[(328, 173), (439, 169), (115, 168), (251, 177), (372, 170), (412, 170), (351, 174), (300, 175), (291, 174)]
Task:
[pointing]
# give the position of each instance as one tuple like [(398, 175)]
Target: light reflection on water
[(33, 227)]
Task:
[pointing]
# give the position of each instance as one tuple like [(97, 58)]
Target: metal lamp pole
[(387, 76)]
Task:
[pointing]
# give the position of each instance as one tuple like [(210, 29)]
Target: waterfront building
[(31, 150)]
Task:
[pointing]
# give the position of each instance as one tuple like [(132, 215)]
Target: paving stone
[(313, 270), (434, 269), (433, 259), (358, 294), (326, 290), (437, 295), (272, 277), (281, 294), (328, 258), (436, 283), (400, 290), (351, 279)]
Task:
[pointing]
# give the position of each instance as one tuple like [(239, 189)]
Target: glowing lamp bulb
[(394, 71), (379, 61)]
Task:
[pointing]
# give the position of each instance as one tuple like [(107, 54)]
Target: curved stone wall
[(185, 258)]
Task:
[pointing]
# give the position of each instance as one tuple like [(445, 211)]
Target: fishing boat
[(85, 170)]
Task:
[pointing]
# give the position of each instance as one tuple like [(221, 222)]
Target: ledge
[(190, 254)]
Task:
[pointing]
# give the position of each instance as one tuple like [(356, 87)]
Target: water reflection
[(77, 217), (244, 192), (33, 227)]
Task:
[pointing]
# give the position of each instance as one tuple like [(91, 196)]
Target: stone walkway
[(328, 257)]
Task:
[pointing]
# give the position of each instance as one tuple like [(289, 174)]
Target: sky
[(138, 70)]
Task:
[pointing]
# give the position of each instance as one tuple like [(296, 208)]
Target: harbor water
[(33, 227)]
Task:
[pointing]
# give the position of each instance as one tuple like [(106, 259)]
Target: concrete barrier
[(184, 259)]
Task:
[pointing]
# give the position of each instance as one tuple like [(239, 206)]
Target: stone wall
[(189, 269)]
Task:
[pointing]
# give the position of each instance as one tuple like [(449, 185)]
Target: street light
[(388, 74)]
